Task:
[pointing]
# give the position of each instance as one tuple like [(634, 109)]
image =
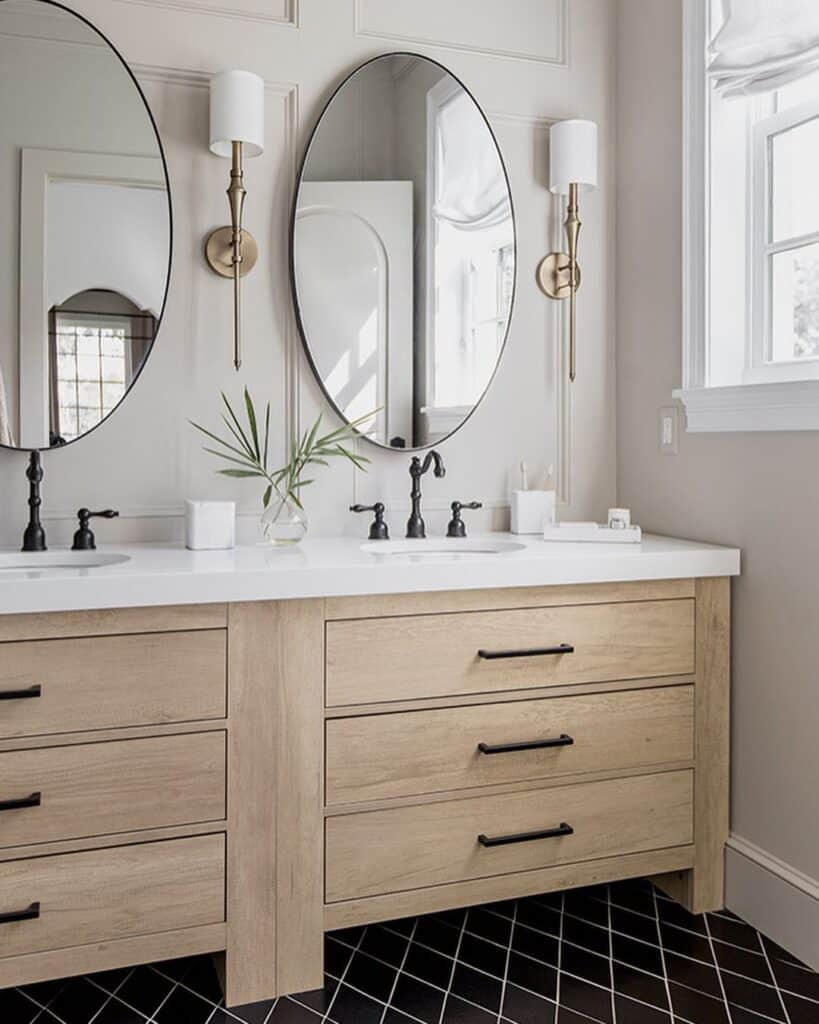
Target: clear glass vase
[(283, 522)]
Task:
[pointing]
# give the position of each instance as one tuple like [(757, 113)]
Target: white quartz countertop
[(332, 567)]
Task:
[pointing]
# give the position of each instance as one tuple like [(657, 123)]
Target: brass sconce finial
[(573, 165), (236, 129)]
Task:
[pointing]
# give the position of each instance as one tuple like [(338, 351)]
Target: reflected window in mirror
[(98, 341), (403, 251), (471, 257)]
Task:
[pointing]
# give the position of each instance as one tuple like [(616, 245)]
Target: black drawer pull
[(16, 805), (32, 691), (533, 652), (511, 748), (527, 837), (29, 914)]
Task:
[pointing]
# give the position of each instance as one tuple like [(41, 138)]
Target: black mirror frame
[(294, 210), (149, 112)]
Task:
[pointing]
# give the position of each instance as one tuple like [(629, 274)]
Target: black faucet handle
[(378, 529), (457, 527), (84, 539)]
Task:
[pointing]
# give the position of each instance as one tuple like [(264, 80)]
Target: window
[(785, 284), (751, 212), (98, 341)]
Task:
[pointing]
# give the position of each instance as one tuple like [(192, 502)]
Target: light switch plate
[(669, 430)]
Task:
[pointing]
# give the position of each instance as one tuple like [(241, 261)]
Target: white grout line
[(508, 958), (398, 972), (330, 1005), (559, 955), (611, 957), (110, 995), (719, 973), (662, 958), (775, 980), (454, 967)]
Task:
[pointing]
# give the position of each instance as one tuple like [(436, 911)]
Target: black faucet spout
[(416, 528)]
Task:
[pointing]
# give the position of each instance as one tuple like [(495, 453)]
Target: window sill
[(783, 405)]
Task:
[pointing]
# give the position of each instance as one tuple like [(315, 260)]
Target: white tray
[(592, 533)]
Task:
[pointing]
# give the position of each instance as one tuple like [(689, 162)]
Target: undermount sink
[(442, 548), (57, 562)]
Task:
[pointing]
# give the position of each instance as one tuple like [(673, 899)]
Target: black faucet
[(415, 524), (84, 539), (34, 539)]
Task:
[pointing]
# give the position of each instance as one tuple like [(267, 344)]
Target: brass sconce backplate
[(219, 252), (554, 277)]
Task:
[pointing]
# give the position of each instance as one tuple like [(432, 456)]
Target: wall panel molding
[(559, 58), (250, 10)]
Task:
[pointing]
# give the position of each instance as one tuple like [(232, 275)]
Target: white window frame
[(762, 368), (768, 398)]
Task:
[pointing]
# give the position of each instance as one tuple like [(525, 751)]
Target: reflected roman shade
[(470, 190), (762, 45)]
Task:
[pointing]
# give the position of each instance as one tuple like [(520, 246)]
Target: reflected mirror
[(403, 251), (85, 226)]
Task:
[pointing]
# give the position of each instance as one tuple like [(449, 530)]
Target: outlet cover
[(669, 430)]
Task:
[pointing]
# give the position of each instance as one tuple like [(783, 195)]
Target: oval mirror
[(85, 225), (403, 251)]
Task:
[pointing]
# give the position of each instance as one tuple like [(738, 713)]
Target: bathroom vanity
[(236, 751)]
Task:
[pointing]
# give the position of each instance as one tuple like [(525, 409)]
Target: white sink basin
[(51, 563), (441, 548)]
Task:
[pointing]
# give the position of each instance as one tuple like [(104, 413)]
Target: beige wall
[(757, 491), (541, 61)]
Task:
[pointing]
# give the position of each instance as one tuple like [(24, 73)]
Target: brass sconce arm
[(231, 251), (558, 274)]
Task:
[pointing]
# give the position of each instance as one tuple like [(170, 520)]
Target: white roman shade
[(762, 45), (471, 190)]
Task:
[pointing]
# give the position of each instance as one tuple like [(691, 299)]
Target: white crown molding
[(288, 20), (783, 405), (560, 61)]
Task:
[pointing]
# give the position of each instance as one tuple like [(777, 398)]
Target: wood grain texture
[(31, 968), (431, 656), (108, 682), (299, 774), (148, 835), (703, 888), (113, 787), (515, 597), (104, 895), (112, 622), (381, 756), (532, 693), (253, 656), (419, 846), (504, 887)]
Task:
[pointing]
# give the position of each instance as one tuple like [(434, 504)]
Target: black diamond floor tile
[(552, 959)]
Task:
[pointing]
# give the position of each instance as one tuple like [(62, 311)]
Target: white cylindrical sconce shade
[(572, 156), (236, 112)]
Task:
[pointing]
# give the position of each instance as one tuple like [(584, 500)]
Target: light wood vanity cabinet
[(239, 779)]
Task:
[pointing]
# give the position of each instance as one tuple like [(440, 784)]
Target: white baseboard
[(774, 897)]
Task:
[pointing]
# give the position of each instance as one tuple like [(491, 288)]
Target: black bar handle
[(17, 805), (31, 913), (32, 691), (533, 652), (563, 740), (527, 837)]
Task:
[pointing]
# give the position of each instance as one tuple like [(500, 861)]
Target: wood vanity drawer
[(416, 656), (56, 686), (373, 757), (412, 847), (96, 789), (103, 895)]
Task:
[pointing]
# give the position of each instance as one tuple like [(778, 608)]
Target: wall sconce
[(236, 131), (572, 167)]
